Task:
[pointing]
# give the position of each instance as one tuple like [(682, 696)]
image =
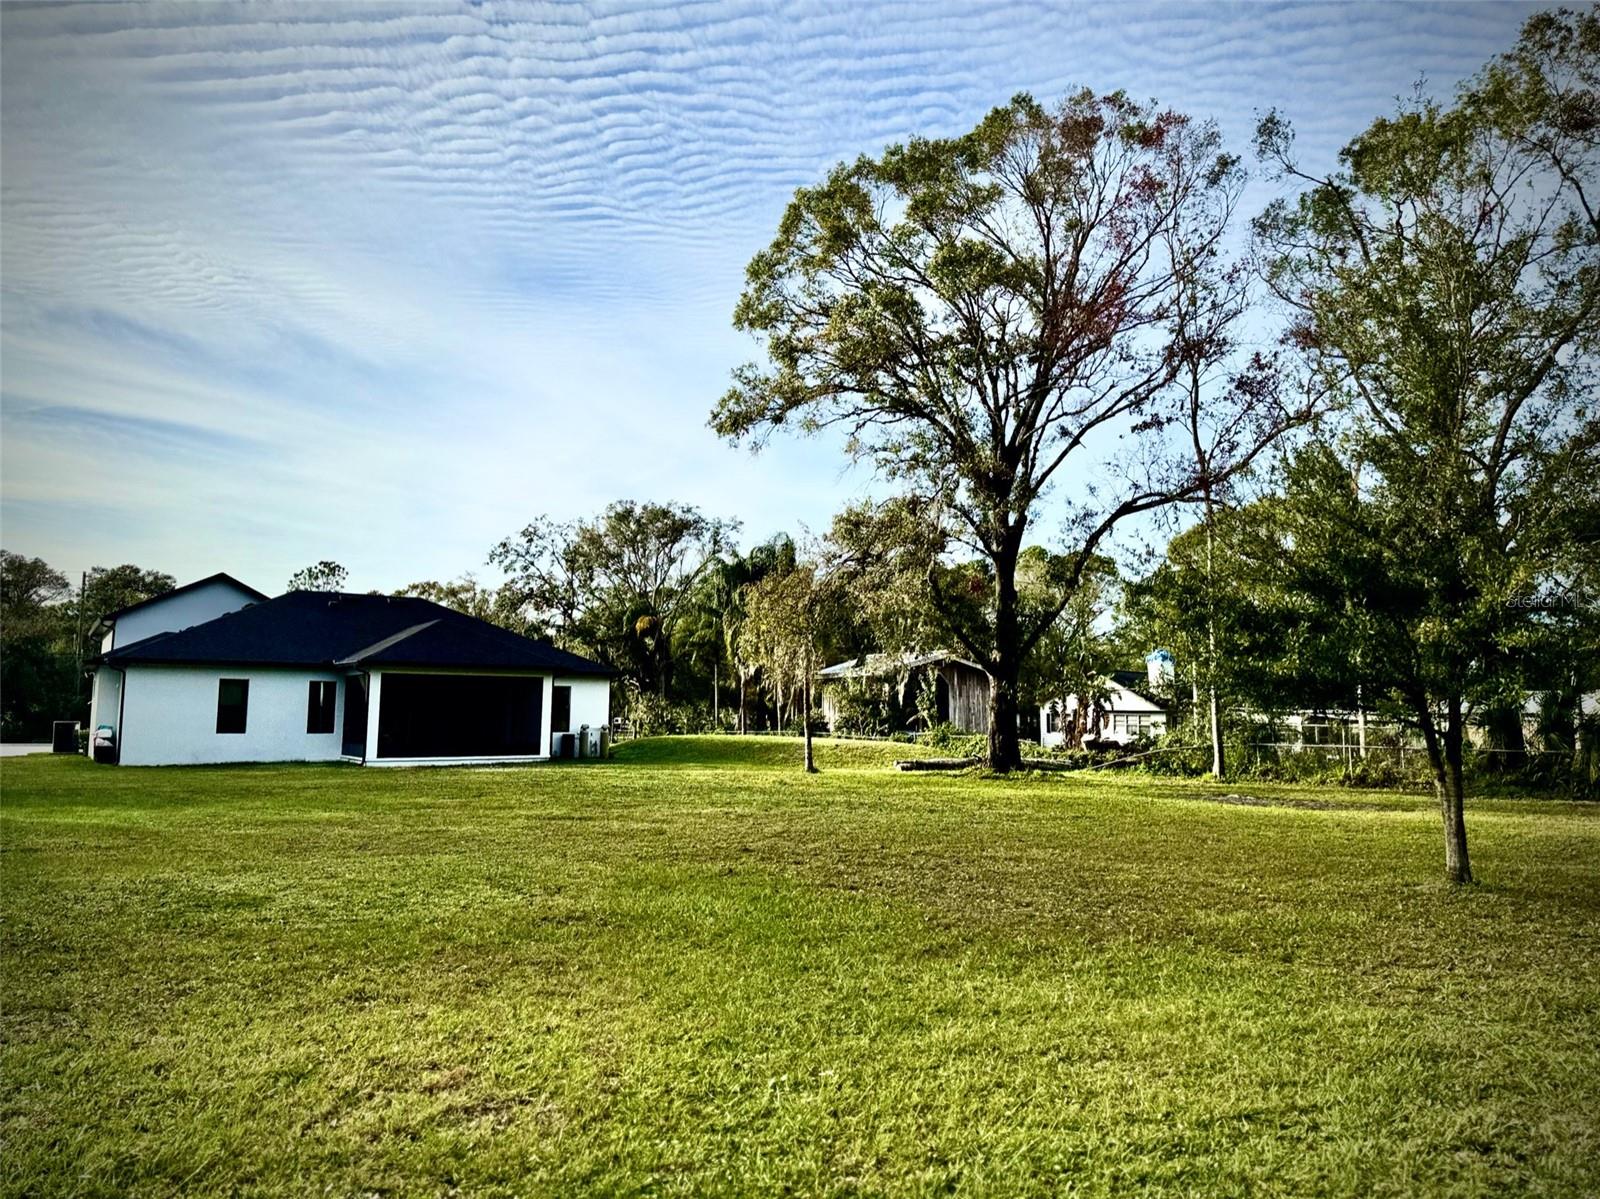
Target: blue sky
[(380, 283)]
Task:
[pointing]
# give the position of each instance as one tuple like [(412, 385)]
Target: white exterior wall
[(103, 699), (174, 612), (591, 703), (169, 717)]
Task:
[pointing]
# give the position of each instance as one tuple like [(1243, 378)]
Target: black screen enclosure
[(459, 716)]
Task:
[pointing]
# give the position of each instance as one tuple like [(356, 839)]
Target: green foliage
[(951, 741), (1446, 284), (37, 683), (325, 575), (109, 589), (47, 629), (497, 605), (652, 715), (882, 557), (860, 709), (927, 703), (616, 586)]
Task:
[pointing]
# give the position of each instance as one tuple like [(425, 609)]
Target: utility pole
[(83, 584), (77, 641)]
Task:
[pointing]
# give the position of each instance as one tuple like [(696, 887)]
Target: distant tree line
[(49, 629)]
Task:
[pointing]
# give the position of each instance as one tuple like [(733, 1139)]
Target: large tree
[(49, 630), (983, 316), (615, 586), (108, 589), (1446, 281)]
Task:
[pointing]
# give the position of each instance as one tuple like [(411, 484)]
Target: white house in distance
[(216, 672), (1122, 719)]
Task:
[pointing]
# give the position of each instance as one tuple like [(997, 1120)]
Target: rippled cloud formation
[(380, 282)]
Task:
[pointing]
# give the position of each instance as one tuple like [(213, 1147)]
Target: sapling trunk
[(805, 724), (1445, 756)]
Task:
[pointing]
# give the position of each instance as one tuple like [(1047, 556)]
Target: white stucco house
[(1122, 719), (217, 672)]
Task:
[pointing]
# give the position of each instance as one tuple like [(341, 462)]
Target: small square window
[(233, 704), (319, 706)]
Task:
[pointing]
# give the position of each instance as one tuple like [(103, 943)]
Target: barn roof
[(872, 666)]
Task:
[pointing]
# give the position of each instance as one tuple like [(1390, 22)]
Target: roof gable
[(209, 580)]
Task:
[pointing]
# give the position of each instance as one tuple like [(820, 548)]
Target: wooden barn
[(960, 689)]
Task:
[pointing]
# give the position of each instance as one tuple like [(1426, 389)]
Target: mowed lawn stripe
[(687, 973)]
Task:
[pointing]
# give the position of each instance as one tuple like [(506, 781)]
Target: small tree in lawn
[(1446, 281), (786, 621), (984, 315)]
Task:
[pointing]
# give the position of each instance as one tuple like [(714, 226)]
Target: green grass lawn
[(695, 970)]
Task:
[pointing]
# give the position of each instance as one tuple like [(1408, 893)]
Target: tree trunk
[(1005, 662), (1005, 747), (805, 724), (1507, 740), (1445, 755), (1217, 763), (741, 701), (716, 708), (1361, 721)]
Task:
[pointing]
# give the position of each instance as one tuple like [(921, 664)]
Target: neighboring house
[(330, 676), (1121, 719), (961, 688)]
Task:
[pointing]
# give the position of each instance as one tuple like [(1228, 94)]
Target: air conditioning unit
[(566, 745)]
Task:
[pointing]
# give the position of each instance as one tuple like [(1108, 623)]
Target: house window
[(233, 701), (319, 706), (1052, 719), (561, 709)]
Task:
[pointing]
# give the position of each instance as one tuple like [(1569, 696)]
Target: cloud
[(379, 282)]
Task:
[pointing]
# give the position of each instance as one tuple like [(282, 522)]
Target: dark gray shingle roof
[(327, 628)]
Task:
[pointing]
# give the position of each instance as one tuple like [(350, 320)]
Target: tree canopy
[(1445, 283), (978, 312)]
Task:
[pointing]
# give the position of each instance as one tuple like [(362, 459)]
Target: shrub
[(652, 716), (948, 739), (859, 710)]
